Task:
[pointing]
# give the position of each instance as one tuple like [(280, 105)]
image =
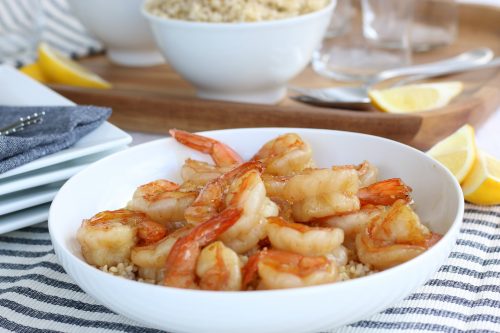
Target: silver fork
[(22, 123)]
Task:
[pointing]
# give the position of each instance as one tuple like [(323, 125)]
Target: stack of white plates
[(26, 191)]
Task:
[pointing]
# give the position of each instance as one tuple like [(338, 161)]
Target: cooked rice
[(126, 270), (351, 270), (354, 270), (233, 10)]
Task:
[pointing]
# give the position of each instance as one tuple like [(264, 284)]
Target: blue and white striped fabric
[(23, 25), (36, 295)]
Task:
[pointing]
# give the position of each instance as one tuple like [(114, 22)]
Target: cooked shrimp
[(211, 199), (385, 192), (162, 201), (394, 237), (367, 172), (284, 208), (275, 185), (317, 193), (222, 154), (339, 256), (108, 237), (285, 155), (352, 223), (280, 269), (241, 188), (150, 259), (248, 193), (219, 268), (200, 173), (301, 239), (180, 266)]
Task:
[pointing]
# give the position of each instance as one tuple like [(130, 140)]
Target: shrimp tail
[(385, 192), (250, 270), (222, 154), (181, 261)]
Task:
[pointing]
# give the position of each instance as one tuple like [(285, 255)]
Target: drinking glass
[(341, 19), (20, 30), (435, 23), (378, 39)]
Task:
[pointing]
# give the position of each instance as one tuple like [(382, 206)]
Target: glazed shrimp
[(317, 193), (385, 192), (219, 268), (180, 266), (222, 154), (248, 193), (352, 223), (367, 172), (108, 237), (162, 201), (150, 259), (200, 173), (211, 199), (241, 188), (285, 155), (301, 239), (280, 269), (394, 237)]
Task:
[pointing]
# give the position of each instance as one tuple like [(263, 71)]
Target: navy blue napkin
[(61, 128)]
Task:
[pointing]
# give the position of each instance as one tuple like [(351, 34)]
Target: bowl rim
[(448, 238), (179, 23)]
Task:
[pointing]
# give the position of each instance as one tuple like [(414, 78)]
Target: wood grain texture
[(155, 99)]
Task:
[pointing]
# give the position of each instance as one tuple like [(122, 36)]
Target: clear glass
[(378, 39), (341, 19), (435, 23), (20, 30), (387, 23)]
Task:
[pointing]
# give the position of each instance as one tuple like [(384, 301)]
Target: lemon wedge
[(416, 97), (457, 152), (60, 69), (35, 72), (482, 184)]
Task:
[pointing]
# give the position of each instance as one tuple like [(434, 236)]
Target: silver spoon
[(357, 97), (475, 56)]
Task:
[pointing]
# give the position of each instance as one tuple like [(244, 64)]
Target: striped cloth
[(23, 25), (36, 295)]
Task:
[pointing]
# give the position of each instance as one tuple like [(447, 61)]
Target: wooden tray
[(155, 99)]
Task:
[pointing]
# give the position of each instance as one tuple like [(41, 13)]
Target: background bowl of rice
[(238, 61), (107, 184)]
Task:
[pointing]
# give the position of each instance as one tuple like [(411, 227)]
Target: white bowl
[(109, 183), (242, 62), (121, 28)]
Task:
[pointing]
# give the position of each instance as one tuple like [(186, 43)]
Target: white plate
[(24, 218), (109, 183), (50, 174), (19, 90), (28, 198)]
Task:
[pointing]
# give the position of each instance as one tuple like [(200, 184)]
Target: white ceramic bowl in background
[(119, 25), (243, 62), (109, 184)]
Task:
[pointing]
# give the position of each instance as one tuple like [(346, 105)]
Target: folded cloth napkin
[(62, 126)]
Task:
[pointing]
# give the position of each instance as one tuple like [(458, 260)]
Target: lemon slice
[(457, 152), (415, 98), (35, 72), (60, 69), (482, 184)]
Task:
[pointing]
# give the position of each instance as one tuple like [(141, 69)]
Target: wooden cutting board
[(155, 99)]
